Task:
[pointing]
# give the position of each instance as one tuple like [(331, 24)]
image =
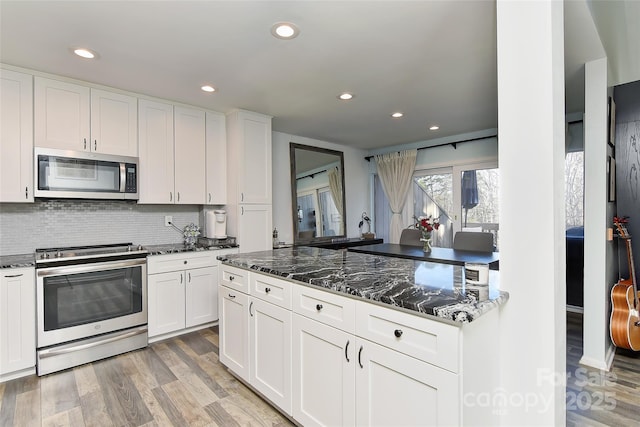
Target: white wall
[(356, 183), (599, 255), (532, 211)]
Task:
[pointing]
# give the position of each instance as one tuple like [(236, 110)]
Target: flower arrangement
[(426, 224)]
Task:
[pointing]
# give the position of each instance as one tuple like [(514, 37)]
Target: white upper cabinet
[(73, 117), (216, 149), (156, 174), (16, 140), (249, 143), (189, 152), (114, 123)]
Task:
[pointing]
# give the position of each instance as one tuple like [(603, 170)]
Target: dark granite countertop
[(431, 289), (17, 261), (175, 248)]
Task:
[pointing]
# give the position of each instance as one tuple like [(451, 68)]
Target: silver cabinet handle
[(250, 305), (85, 143), (209, 197), (170, 196), (359, 358), (189, 277), (231, 296), (26, 192), (242, 197), (95, 145), (242, 210), (346, 347), (178, 196), (13, 275), (181, 278)]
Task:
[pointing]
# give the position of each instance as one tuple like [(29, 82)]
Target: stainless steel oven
[(91, 304)]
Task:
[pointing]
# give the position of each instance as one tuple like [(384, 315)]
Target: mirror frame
[(294, 193)]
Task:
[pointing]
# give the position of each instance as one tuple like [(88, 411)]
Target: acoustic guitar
[(625, 323)]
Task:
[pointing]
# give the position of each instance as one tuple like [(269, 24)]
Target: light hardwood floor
[(175, 382), (180, 382)]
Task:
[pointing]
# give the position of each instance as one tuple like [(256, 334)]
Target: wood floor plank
[(166, 354), (220, 416), (243, 411), (121, 397), (159, 416), (7, 410), (193, 365), (195, 385), (198, 343), (94, 409), (72, 417), (59, 393), (185, 402), (167, 406), (86, 381), (27, 411), (153, 365)]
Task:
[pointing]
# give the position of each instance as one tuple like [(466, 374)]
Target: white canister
[(476, 273)]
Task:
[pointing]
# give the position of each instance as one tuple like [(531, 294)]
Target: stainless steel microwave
[(84, 175)]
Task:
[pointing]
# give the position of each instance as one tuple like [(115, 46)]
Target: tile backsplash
[(59, 223)]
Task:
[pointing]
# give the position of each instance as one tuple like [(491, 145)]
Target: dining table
[(437, 254)]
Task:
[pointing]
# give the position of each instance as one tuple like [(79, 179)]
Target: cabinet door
[(216, 148), (155, 152), (270, 332), (323, 374), (394, 389), (201, 296), (16, 139), (114, 123), (249, 139), (254, 228), (17, 320), (166, 304), (189, 152), (61, 115), (234, 331)]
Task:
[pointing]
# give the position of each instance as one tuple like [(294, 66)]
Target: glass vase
[(426, 242)]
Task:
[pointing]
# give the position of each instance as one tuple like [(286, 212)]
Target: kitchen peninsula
[(342, 338)]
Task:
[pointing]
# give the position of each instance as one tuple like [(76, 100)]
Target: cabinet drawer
[(180, 261), (234, 278), (325, 307), (428, 340), (271, 289)]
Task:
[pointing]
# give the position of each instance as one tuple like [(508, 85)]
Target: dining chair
[(411, 237), (473, 241)]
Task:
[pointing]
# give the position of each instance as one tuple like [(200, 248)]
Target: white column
[(598, 253), (532, 211)]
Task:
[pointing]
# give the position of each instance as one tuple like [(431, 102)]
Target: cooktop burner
[(83, 252)]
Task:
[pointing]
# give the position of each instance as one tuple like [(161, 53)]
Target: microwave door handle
[(123, 177)]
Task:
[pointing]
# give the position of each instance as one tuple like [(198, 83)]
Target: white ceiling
[(433, 60)]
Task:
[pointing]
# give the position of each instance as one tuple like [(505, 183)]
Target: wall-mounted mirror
[(317, 193)]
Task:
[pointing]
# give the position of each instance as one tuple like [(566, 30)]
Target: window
[(433, 196)]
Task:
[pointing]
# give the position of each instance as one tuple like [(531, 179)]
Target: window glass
[(574, 189)]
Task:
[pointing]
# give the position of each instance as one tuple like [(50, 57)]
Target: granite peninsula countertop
[(428, 288)]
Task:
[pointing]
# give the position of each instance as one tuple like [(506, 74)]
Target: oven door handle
[(50, 352)]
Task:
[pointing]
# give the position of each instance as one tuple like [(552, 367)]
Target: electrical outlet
[(168, 220)]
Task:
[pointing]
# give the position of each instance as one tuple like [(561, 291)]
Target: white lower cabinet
[(270, 351), (182, 291), (349, 362), (393, 389), (324, 374), (17, 321)]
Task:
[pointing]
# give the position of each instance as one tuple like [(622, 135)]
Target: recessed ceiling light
[(397, 115), (85, 53), (208, 88), (434, 128), (285, 30), (346, 96)]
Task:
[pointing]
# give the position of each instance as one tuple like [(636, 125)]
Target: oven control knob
[(45, 255), (139, 247), (58, 254), (129, 248)]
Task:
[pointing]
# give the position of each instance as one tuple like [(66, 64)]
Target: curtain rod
[(311, 174), (453, 144)]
